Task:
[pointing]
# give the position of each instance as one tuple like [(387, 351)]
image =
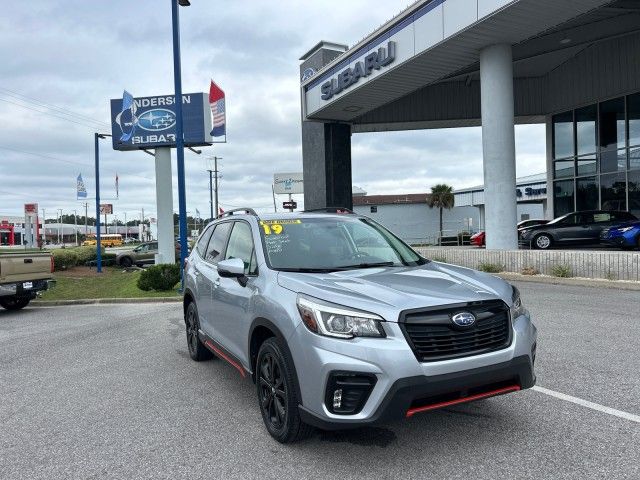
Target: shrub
[(64, 258), (563, 271), (491, 267), (86, 254), (159, 277), (530, 271)]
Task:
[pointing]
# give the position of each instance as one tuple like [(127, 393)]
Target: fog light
[(337, 398)]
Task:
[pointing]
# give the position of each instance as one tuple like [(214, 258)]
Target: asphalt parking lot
[(109, 391)]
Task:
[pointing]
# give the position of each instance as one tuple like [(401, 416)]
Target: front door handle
[(216, 284)]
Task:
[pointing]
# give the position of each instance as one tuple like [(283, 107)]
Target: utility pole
[(211, 193), (44, 227), (213, 186), (86, 225), (60, 225), (126, 226)]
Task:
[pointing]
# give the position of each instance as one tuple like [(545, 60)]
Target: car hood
[(388, 291)]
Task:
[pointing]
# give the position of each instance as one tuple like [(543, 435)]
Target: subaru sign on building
[(150, 122)]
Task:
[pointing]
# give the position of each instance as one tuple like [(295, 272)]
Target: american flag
[(216, 100)]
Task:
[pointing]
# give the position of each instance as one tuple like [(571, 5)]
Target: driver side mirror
[(231, 268)]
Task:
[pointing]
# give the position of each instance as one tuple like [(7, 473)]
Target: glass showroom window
[(563, 168), (634, 158), (634, 192), (563, 135), (586, 129), (633, 111), (563, 197), (612, 136), (587, 165), (587, 193), (613, 191)]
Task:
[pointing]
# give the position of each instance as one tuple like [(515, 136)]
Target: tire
[(543, 241), (126, 262), (277, 388), (14, 303), (197, 351)]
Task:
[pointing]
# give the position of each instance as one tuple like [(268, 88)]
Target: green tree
[(441, 197)]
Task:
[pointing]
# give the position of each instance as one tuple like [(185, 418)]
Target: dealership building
[(571, 65)]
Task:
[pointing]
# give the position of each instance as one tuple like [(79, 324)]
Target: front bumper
[(404, 385), (413, 394)]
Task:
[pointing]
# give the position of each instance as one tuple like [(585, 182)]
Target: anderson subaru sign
[(150, 122)]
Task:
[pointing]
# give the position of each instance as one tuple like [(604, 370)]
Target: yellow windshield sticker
[(272, 228), (281, 222)]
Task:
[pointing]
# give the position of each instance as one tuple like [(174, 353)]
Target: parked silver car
[(341, 324)]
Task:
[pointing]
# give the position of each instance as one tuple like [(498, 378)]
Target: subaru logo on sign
[(308, 73), (464, 319), (156, 120)]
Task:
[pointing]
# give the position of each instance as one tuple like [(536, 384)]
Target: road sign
[(106, 209), (290, 205), (288, 183)]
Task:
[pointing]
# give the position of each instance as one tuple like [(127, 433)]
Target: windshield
[(332, 244)]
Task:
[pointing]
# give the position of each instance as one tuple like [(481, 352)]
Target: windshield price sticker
[(275, 226), (281, 222)]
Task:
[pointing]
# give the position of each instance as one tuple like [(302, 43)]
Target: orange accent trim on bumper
[(433, 406)]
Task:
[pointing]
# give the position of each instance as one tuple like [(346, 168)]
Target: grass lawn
[(82, 283)]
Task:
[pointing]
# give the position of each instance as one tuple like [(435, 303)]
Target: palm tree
[(441, 197)]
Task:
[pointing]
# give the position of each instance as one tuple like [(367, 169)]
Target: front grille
[(433, 336)]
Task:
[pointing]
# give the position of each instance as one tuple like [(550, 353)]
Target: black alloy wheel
[(277, 388), (273, 393), (197, 351)]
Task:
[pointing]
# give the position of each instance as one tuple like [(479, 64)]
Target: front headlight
[(332, 320), (517, 308), (624, 229)]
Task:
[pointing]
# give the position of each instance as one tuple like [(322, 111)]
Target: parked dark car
[(625, 236), (479, 239), (577, 228)]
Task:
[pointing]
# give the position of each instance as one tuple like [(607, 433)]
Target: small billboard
[(150, 122), (106, 209), (288, 183)]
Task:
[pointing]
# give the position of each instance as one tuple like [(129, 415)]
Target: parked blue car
[(625, 236)]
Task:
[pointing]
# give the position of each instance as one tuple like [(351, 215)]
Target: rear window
[(201, 246)]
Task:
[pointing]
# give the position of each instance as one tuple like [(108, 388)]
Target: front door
[(232, 300)]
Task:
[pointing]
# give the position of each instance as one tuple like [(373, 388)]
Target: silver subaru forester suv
[(341, 324)]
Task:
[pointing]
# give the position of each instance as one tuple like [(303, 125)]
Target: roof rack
[(330, 210), (229, 213)]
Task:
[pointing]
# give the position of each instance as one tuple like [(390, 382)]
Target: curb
[(575, 281), (95, 301)]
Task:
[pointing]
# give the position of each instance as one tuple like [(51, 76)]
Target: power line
[(55, 108)]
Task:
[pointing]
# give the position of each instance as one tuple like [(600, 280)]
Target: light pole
[(60, 225), (75, 222), (177, 77), (126, 226), (97, 137)]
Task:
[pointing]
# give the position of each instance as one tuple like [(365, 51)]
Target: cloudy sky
[(63, 60)]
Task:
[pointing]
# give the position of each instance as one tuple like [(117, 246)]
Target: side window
[(217, 242), (201, 247), (153, 246), (602, 217), (241, 246)]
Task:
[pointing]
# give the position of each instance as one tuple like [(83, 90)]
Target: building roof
[(521, 181), (403, 198)]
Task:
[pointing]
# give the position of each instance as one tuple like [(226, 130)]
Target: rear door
[(208, 278)]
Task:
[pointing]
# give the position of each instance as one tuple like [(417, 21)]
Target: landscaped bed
[(82, 282)]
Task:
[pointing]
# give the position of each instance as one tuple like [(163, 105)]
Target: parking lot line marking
[(588, 404)]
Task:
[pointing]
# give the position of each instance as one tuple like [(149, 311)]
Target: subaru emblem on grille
[(464, 319)]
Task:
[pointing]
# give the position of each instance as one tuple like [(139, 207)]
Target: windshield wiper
[(367, 265)]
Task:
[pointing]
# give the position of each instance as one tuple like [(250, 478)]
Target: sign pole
[(182, 197), (98, 243)]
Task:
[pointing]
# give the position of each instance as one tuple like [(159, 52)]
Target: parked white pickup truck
[(22, 276)]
